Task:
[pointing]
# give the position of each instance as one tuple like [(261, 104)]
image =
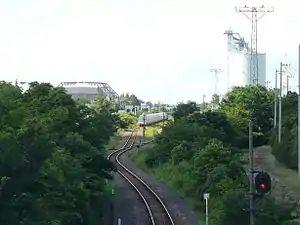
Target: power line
[(251, 12)]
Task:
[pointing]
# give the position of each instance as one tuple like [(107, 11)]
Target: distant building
[(145, 106), (88, 90), (131, 109)]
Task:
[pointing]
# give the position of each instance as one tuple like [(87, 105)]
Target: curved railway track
[(158, 213)]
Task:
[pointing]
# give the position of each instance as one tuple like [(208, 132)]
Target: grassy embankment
[(167, 173)]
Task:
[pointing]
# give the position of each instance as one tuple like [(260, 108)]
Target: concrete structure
[(144, 106), (237, 75), (131, 108), (88, 90), (239, 62)]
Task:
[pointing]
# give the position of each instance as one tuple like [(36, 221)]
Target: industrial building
[(88, 90), (239, 71)]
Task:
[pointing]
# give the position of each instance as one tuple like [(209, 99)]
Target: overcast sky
[(157, 49)]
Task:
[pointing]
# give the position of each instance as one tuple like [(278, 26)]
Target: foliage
[(215, 99), (183, 110), (127, 99), (126, 120), (286, 151), (250, 102), (52, 163), (200, 152)]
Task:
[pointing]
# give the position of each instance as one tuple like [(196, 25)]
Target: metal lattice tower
[(252, 13)]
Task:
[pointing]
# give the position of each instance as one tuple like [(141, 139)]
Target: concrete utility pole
[(267, 84), (275, 100), (280, 103), (251, 165), (299, 117), (252, 14), (216, 72), (282, 69), (144, 126), (288, 77)]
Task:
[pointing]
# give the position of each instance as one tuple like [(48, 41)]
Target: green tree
[(184, 109), (53, 167), (254, 102), (286, 151), (215, 99), (199, 152), (126, 120)]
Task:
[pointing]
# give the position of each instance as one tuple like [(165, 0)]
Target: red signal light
[(263, 182)]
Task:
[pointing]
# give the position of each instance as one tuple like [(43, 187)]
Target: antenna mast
[(252, 13)]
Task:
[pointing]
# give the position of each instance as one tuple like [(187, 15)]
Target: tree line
[(201, 152), (53, 154), (53, 166)]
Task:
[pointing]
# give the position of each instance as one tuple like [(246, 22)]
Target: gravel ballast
[(128, 205), (181, 212)]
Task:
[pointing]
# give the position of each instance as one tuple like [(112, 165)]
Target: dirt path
[(285, 182)]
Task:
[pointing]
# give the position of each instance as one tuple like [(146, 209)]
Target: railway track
[(158, 213)]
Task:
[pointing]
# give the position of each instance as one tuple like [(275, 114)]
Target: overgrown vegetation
[(201, 152), (126, 120), (53, 165), (286, 151)]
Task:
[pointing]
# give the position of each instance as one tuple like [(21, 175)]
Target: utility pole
[(267, 84), (275, 100), (216, 72), (252, 14), (203, 99), (299, 117), (144, 126), (282, 69), (289, 76), (280, 103), (251, 166)]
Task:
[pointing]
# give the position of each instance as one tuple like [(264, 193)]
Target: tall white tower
[(236, 50), (239, 62)]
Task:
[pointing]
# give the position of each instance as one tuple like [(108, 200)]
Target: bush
[(200, 152), (126, 120), (53, 166)]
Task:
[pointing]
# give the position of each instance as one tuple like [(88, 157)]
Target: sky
[(160, 50)]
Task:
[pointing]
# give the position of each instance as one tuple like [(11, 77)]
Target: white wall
[(237, 75)]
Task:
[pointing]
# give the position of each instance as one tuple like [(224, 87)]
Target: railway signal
[(263, 183)]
